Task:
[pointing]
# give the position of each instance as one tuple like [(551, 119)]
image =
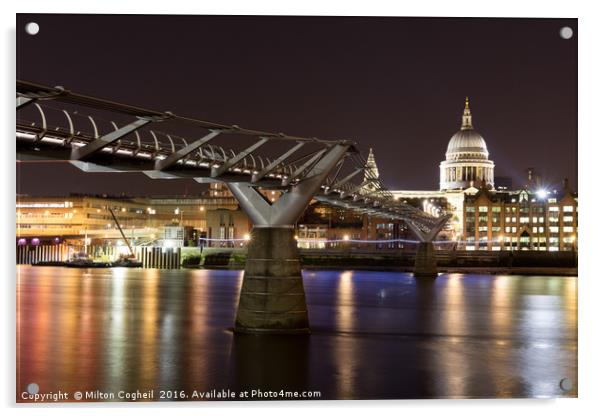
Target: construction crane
[(132, 255)]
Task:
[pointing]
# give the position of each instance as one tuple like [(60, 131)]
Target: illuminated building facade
[(325, 226), (42, 220), (521, 220)]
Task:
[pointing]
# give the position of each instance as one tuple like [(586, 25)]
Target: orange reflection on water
[(501, 303), (453, 323), (345, 352), (149, 318), (33, 324), (345, 302)]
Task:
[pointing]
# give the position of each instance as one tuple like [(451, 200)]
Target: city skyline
[(343, 78)]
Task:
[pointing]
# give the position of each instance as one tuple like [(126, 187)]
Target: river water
[(375, 335)]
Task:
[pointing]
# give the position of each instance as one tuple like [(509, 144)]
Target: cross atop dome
[(466, 117)]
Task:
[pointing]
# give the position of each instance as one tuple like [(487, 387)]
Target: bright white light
[(541, 193), (346, 237), (247, 237)]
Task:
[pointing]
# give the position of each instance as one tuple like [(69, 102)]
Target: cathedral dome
[(466, 161), (467, 143)]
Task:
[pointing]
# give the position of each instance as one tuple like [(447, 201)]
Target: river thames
[(375, 335)]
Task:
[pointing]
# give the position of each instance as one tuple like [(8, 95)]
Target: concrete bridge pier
[(272, 297), (425, 263)]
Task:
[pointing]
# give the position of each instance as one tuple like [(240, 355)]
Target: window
[(553, 209), (470, 209), (567, 229), (567, 208), (567, 218), (483, 209), (483, 243), (553, 229)]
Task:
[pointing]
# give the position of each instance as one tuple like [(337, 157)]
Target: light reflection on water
[(374, 334)]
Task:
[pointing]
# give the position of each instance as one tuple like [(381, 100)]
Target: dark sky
[(394, 84)]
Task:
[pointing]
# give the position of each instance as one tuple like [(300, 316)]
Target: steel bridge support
[(272, 297), (425, 263)]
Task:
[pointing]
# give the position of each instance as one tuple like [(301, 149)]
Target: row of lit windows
[(540, 230), (485, 208)]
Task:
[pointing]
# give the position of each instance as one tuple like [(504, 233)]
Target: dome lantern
[(466, 117)]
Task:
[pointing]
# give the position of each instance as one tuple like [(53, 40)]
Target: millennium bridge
[(100, 135)]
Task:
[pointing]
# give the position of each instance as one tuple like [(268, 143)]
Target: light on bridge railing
[(247, 237)]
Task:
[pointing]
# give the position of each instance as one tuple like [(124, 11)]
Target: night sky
[(394, 84)]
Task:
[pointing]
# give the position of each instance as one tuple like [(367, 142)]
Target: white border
[(590, 137)]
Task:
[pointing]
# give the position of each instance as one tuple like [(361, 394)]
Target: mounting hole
[(33, 388), (32, 28), (566, 32), (566, 384)]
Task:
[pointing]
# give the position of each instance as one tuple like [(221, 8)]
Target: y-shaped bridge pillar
[(425, 264), (272, 298)]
